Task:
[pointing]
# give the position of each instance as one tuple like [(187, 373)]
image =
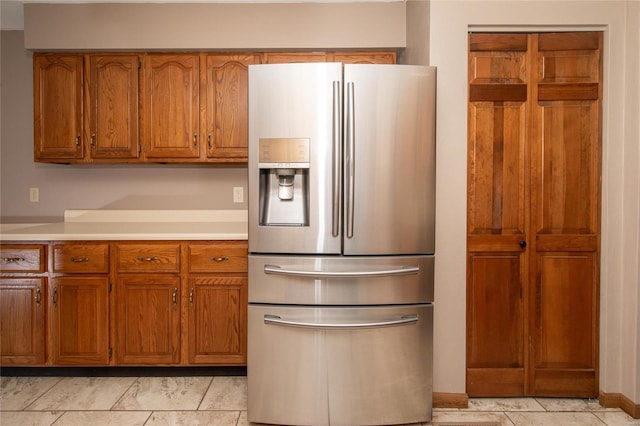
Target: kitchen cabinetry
[(533, 223), (151, 107), (171, 303), (112, 106), (79, 307), (226, 105), (171, 106), (22, 304), (345, 57), (148, 300), (58, 107), (217, 303), (85, 107)]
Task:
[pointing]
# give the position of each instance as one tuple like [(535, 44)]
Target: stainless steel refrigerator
[(341, 242)]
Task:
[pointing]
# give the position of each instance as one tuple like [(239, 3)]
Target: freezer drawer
[(340, 365), (339, 280)]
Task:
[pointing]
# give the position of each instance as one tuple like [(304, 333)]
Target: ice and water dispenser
[(284, 181)]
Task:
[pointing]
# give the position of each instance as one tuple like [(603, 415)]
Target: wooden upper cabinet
[(57, 88), (285, 58), (153, 107), (112, 103), (171, 106), (226, 105), (363, 57)]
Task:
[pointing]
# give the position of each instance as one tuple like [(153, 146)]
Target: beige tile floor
[(222, 401)]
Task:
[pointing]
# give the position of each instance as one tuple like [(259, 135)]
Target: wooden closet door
[(565, 209), (497, 215), (533, 214)]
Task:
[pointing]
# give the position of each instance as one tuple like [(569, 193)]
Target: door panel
[(305, 110), (227, 104), (327, 280), (112, 82), (356, 374), (381, 376), (58, 110), (569, 177), (171, 105), (80, 321), (389, 160), (533, 221), (148, 320), (22, 321)]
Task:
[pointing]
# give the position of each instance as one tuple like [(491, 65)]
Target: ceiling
[(12, 11)]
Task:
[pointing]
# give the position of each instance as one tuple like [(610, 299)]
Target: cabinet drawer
[(81, 258), (218, 257), (22, 258), (149, 258)]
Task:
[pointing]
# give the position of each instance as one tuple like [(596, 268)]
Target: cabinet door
[(112, 102), (79, 321), (364, 57), (171, 106), (57, 104), (281, 58), (227, 104), (217, 320), (22, 327), (148, 319)]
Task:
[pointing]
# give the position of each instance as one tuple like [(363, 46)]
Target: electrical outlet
[(238, 194), (34, 195)]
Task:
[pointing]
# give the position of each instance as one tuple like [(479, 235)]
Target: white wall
[(450, 22)]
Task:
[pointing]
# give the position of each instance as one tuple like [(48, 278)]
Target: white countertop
[(134, 225)]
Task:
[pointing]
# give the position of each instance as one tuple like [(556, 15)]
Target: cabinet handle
[(191, 295), (195, 139), (92, 140), (218, 258), (37, 296), (13, 259), (80, 259), (148, 259), (54, 298), (209, 141), (78, 139), (174, 296)]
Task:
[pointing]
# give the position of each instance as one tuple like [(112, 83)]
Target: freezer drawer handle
[(404, 270), (403, 320)]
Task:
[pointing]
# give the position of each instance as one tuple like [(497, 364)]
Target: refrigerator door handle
[(337, 159), (350, 156), (403, 320), (403, 270)]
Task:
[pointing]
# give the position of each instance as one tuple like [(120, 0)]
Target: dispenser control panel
[(275, 153)]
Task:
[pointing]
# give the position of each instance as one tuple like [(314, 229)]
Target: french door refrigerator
[(341, 243)]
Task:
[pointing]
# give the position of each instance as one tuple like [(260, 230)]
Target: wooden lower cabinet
[(217, 320), (79, 326), (111, 303), (148, 323), (22, 321)]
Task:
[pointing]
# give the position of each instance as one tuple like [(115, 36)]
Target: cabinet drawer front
[(80, 258), (149, 258), (22, 258), (218, 257)]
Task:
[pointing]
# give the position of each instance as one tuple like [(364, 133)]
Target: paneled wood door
[(57, 108), (171, 105), (533, 224), (148, 319), (79, 320), (112, 102), (227, 103)]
